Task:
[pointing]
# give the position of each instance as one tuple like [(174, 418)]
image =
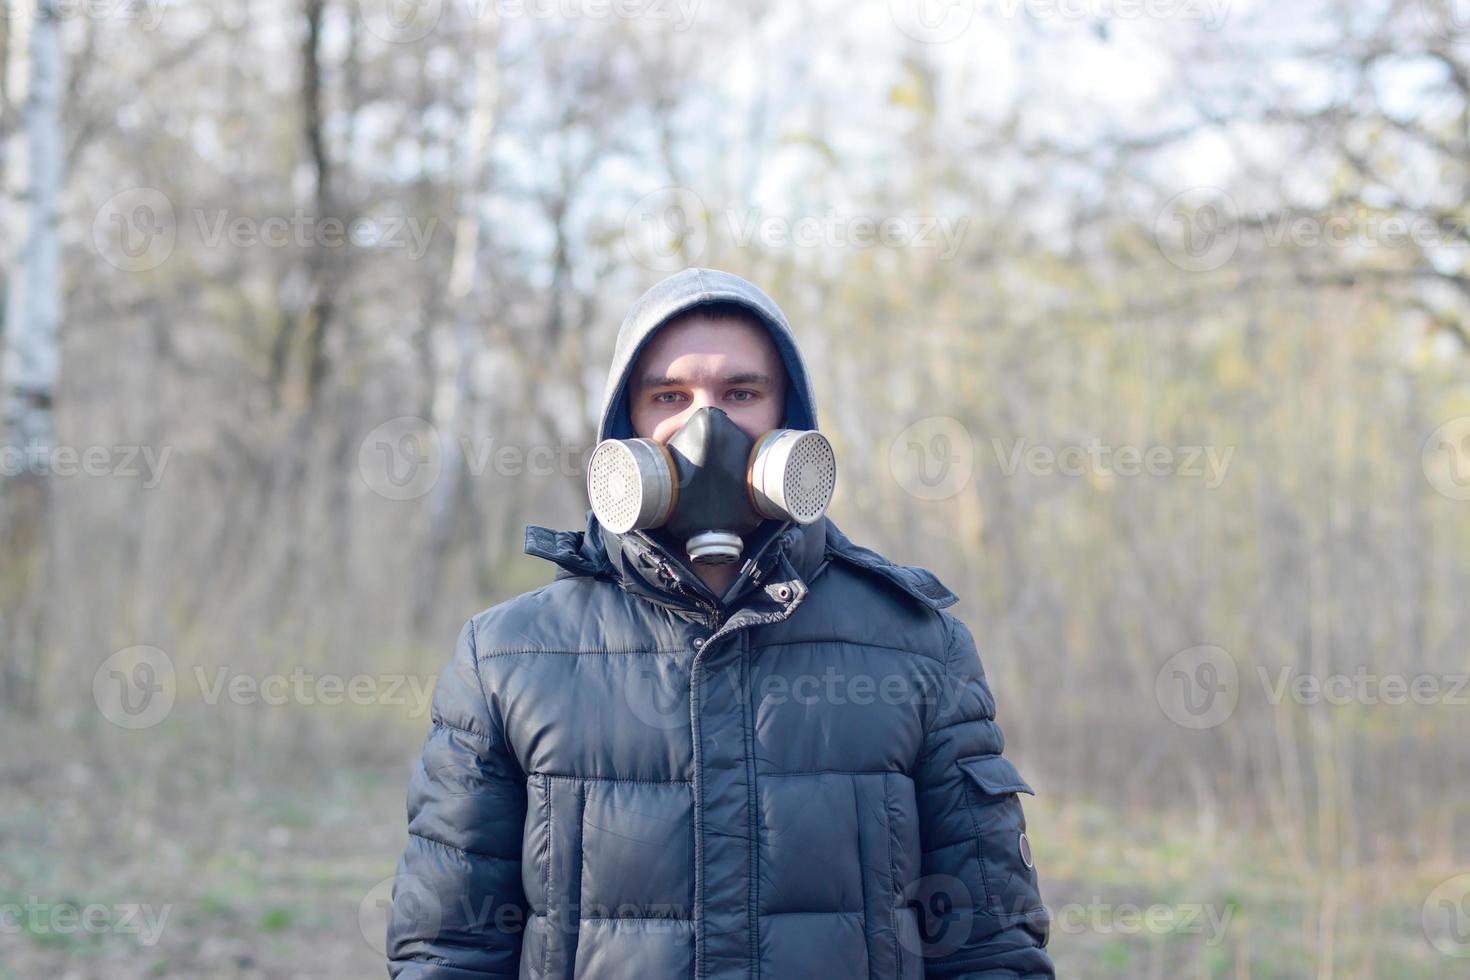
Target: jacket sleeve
[(458, 905), (980, 908)]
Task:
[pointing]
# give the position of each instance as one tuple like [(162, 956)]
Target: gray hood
[(680, 292)]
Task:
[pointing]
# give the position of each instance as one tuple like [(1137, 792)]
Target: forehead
[(700, 339)]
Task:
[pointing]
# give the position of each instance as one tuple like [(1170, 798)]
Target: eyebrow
[(741, 378)]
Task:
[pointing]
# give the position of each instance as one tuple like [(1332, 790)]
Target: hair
[(721, 311)]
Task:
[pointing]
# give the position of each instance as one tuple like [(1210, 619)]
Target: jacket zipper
[(720, 633), (710, 610)]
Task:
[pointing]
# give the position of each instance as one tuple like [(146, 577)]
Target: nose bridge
[(704, 396)]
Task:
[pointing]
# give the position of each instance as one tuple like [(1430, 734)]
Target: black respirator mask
[(711, 485)]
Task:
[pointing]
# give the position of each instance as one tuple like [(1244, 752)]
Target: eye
[(667, 397), (742, 395)]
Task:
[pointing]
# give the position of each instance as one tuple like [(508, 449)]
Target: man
[(719, 743)]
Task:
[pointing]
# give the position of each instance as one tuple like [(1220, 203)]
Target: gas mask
[(711, 485)]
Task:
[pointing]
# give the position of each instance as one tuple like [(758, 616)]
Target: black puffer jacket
[(625, 780)]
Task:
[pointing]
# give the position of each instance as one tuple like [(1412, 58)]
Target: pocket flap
[(995, 775)]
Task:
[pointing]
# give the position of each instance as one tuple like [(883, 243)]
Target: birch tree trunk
[(32, 359), (453, 397)]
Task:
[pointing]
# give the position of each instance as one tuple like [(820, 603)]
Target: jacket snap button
[(698, 642), (783, 592)]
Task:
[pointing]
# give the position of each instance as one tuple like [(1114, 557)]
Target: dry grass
[(264, 850)]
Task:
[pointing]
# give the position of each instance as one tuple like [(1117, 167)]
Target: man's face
[(726, 364)]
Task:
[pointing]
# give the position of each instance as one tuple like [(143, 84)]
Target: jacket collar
[(789, 556), (786, 556)]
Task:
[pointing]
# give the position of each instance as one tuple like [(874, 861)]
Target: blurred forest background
[(307, 309)]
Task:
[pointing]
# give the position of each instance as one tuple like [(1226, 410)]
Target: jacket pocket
[(1007, 868)]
